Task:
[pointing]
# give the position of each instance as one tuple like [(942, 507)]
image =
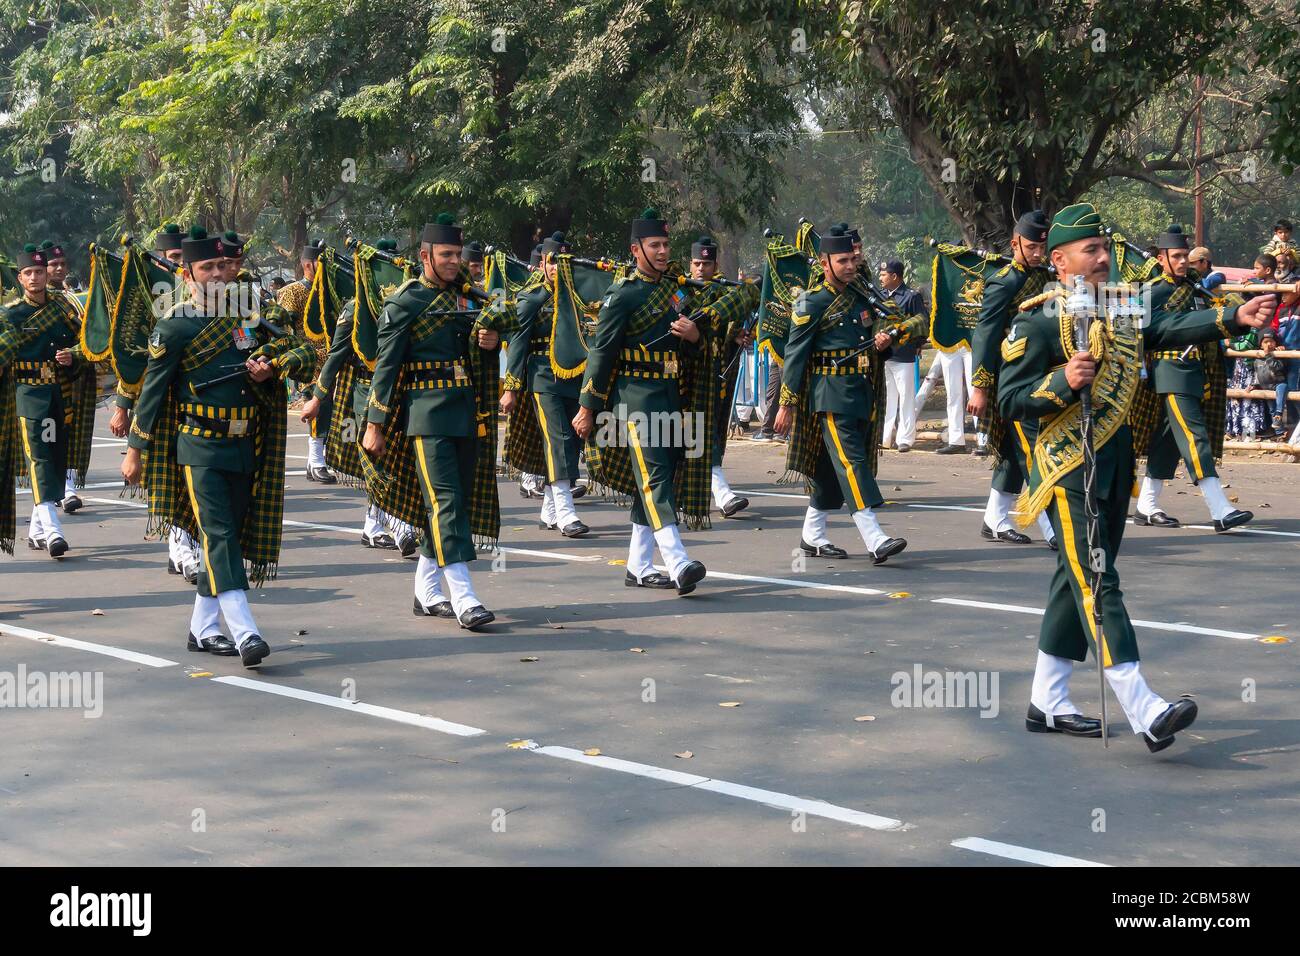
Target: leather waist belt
[(823, 363), (539, 347), (1193, 354), (212, 421), (426, 375), (35, 373), (635, 363)]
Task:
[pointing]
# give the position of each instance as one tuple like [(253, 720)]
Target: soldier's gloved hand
[(310, 409), (1080, 370), (119, 421), (507, 401), (1257, 311)]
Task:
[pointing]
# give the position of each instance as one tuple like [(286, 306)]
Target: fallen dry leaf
[(900, 594), (526, 660), (637, 650), (864, 718), (617, 562), (519, 744), (201, 674), (97, 613), (685, 755), (729, 703), (1275, 639), (591, 752), (554, 626)]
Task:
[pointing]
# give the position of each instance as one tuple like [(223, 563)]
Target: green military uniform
[(341, 444), (10, 456)]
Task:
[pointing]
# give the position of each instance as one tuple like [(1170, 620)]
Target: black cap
[(31, 256), (648, 225), (311, 252), (169, 239), (443, 231), (231, 245), (893, 265), (535, 259), (473, 251), (555, 244), (386, 245), (52, 251), (1173, 238), (705, 249), (851, 232), (836, 241), (1033, 226), (198, 246)]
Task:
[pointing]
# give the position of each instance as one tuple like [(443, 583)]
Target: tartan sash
[(10, 467), (342, 455)]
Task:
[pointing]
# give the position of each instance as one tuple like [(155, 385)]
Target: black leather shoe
[(323, 475), (1075, 725), (1051, 543), (821, 551), (475, 617), (441, 609), (72, 503), (1157, 519), (36, 544), (220, 645), (691, 575), (951, 450), (1010, 535), (381, 541), (57, 546), (1155, 746), (890, 547), (1233, 519), (981, 451), (1178, 716), (548, 527), (172, 566), (190, 573), (578, 491), (904, 448), (253, 651), (408, 544), (734, 506), (651, 580), (575, 529)]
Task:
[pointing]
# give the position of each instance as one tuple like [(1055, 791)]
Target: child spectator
[(1281, 237), (1287, 322), (1248, 418)]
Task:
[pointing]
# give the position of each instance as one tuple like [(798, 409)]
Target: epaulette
[(11, 303), (1033, 302), (404, 286)]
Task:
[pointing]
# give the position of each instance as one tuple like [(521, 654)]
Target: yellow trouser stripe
[(546, 439), (1024, 442), (646, 496), (1191, 439), (31, 462), (1067, 544), (433, 501), (194, 505), (844, 460)]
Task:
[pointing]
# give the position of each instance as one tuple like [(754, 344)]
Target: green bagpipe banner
[(579, 290), (145, 292), (505, 272), (785, 267), (376, 278), (332, 285), (1128, 266), (106, 270), (956, 293), (8, 279)]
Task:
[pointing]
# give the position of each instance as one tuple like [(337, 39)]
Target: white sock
[(1045, 526), (548, 506), (1051, 692), (315, 452), (34, 528), (814, 527), (1149, 496), (428, 582), (373, 525), (51, 527), (460, 587), (997, 513), (398, 529), (869, 528), (68, 488), (641, 552), (561, 494), (238, 615), (205, 622), (1212, 490), (722, 493), (671, 549), (1141, 704)]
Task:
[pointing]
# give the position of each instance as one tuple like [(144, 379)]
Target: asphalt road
[(371, 736)]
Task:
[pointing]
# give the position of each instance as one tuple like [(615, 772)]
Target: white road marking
[(1022, 853), (121, 653), (948, 508), (768, 494), (370, 710), (769, 798), (1153, 625), (107, 484), (1208, 527)]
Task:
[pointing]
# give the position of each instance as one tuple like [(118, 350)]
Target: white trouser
[(1215, 499), (548, 506), (561, 493), (238, 615), (428, 582), (1051, 691), (722, 493), (814, 527), (928, 383), (872, 535), (205, 622), (315, 452), (180, 548), (462, 595), (68, 486), (900, 402), (671, 549), (44, 523), (641, 552), (956, 374), (997, 514)]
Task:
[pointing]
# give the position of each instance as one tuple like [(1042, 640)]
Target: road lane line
[(121, 653), (1154, 625), (1022, 853)]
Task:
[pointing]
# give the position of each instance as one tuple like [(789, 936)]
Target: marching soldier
[(1180, 378), (638, 384), (82, 391), (533, 484), (11, 458), (1045, 367), (830, 398), (1024, 276), (474, 261), (293, 299), (544, 365), (343, 382), (46, 367), (425, 369), (211, 419), (724, 344)]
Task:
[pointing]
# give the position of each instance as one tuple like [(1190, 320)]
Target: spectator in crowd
[(771, 405), (277, 284), (1281, 237), (1286, 266), (1287, 322), (900, 367), (1199, 259), (1248, 418)]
